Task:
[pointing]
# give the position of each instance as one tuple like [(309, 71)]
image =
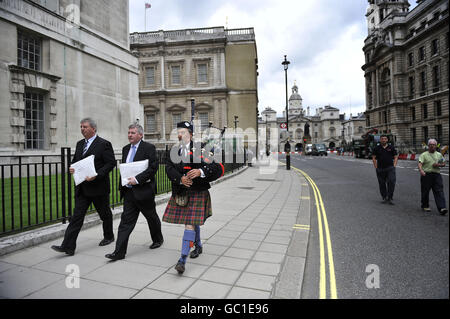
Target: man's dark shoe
[(115, 256), (426, 209), (196, 252), (443, 211), (389, 201), (156, 244), (384, 201), (61, 249), (105, 242), (180, 267)]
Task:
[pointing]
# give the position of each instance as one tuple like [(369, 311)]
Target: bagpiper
[(190, 170)]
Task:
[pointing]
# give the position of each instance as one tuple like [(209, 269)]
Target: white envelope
[(83, 168), (132, 169)]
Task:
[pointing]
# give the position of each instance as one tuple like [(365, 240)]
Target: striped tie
[(85, 146)]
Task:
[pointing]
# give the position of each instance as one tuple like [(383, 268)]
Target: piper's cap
[(185, 124)]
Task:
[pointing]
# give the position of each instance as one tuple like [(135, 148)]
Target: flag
[(148, 5)]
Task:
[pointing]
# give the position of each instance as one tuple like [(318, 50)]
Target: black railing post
[(63, 185), (69, 179)]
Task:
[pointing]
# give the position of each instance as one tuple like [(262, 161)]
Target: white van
[(308, 149)]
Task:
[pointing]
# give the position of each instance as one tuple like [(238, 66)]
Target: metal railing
[(37, 190)]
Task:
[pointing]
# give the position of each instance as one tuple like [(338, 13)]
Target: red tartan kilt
[(196, 212)]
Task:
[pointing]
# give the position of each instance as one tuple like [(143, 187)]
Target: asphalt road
[(402, 246)]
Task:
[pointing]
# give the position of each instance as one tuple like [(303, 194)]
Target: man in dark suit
[(94, 189), (138, 194)]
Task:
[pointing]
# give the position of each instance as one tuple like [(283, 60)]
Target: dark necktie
[(85, 148)]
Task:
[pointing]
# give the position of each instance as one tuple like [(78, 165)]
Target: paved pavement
[(251, 250)]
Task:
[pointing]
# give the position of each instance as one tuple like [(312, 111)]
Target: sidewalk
[(250, 251)]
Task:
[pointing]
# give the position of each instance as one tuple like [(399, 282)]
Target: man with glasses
[(430, 163)]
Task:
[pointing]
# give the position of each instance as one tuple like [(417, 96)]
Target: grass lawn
[(24, 201)]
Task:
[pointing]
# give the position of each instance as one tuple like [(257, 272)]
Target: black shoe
[(390, 202), (384, 201), (105, 242), (156, 244), (61, 249), (426, 209), (196, 252), (180, 267), (115, 256), (443, 211)]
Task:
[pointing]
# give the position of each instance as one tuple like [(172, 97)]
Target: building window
[(34, 121), (151, 123), (385, 117), (28, 51), (316, 135), (176, 118), (176, 74), (424, 111), (425, 134), (332, 132), (202, 73), (332, 122), (204, 120), (413, 113), (423, 84), (438, 108), (421, 53), (434, 47), (411, 87), (410, 59), (436, 78), (385, 87), (414, 137), (438, 129), (150, 75)]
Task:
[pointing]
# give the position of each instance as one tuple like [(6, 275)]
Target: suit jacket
[(175, 171), (104, 162), (146, 188)]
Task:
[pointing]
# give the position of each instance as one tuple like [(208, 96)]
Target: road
[(379, 251)]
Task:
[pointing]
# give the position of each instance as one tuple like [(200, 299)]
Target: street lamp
[(287, 147)]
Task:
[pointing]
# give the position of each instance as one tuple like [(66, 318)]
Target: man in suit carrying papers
[(138, 193), (94, 189)]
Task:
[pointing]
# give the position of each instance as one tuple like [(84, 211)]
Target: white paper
[(132, 169), (83, 168)]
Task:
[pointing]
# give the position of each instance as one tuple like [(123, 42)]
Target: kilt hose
[(195, 212)]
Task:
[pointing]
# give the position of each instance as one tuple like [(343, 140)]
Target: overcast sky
[(322, 39)]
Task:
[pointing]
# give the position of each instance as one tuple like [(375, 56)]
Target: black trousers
[(386, 181), (432, 181), (131, 209), (82, 203)]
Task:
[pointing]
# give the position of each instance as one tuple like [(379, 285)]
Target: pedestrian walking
[(430, 163), (94, 189), (138, 194), (385, 157), (190, 203)]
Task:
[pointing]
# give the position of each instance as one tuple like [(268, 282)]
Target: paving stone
[(220, 275), (154, 294), (246, 293), (263, 268), (239, 253), (231, 263), (207, 290), (175, 284), (256, 281)]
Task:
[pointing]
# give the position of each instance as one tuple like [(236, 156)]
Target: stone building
[(60, 61), (215, 67), (324, 127), (407, 71), (353, 129)]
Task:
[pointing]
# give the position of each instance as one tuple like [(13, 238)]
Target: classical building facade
[(214, 67), (60, 61), (353, 129), (407, 71), (324, 127)]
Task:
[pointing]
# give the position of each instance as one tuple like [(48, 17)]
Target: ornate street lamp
[(287, 147)]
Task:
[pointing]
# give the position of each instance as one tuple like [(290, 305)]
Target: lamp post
[(236, 121), (287, 147)]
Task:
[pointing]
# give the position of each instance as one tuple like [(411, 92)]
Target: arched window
[(332, 132), (385, 86)]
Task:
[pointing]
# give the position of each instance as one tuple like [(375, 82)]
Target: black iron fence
[(37, 190)]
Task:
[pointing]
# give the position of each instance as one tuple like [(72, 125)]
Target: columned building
[(323, 127), (215, 67), (407, 71), (61, 61)]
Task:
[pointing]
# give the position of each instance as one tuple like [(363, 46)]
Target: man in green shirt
[(430, 163)]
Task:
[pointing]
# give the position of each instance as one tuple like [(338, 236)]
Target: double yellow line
[(321, 214)]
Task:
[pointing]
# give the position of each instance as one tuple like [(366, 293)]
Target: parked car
[(319, 150), (308, 149)]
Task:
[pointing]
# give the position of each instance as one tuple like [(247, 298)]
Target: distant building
[(407, 71), (324, 126), (216, 67), (54, 72), (353, 129)]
